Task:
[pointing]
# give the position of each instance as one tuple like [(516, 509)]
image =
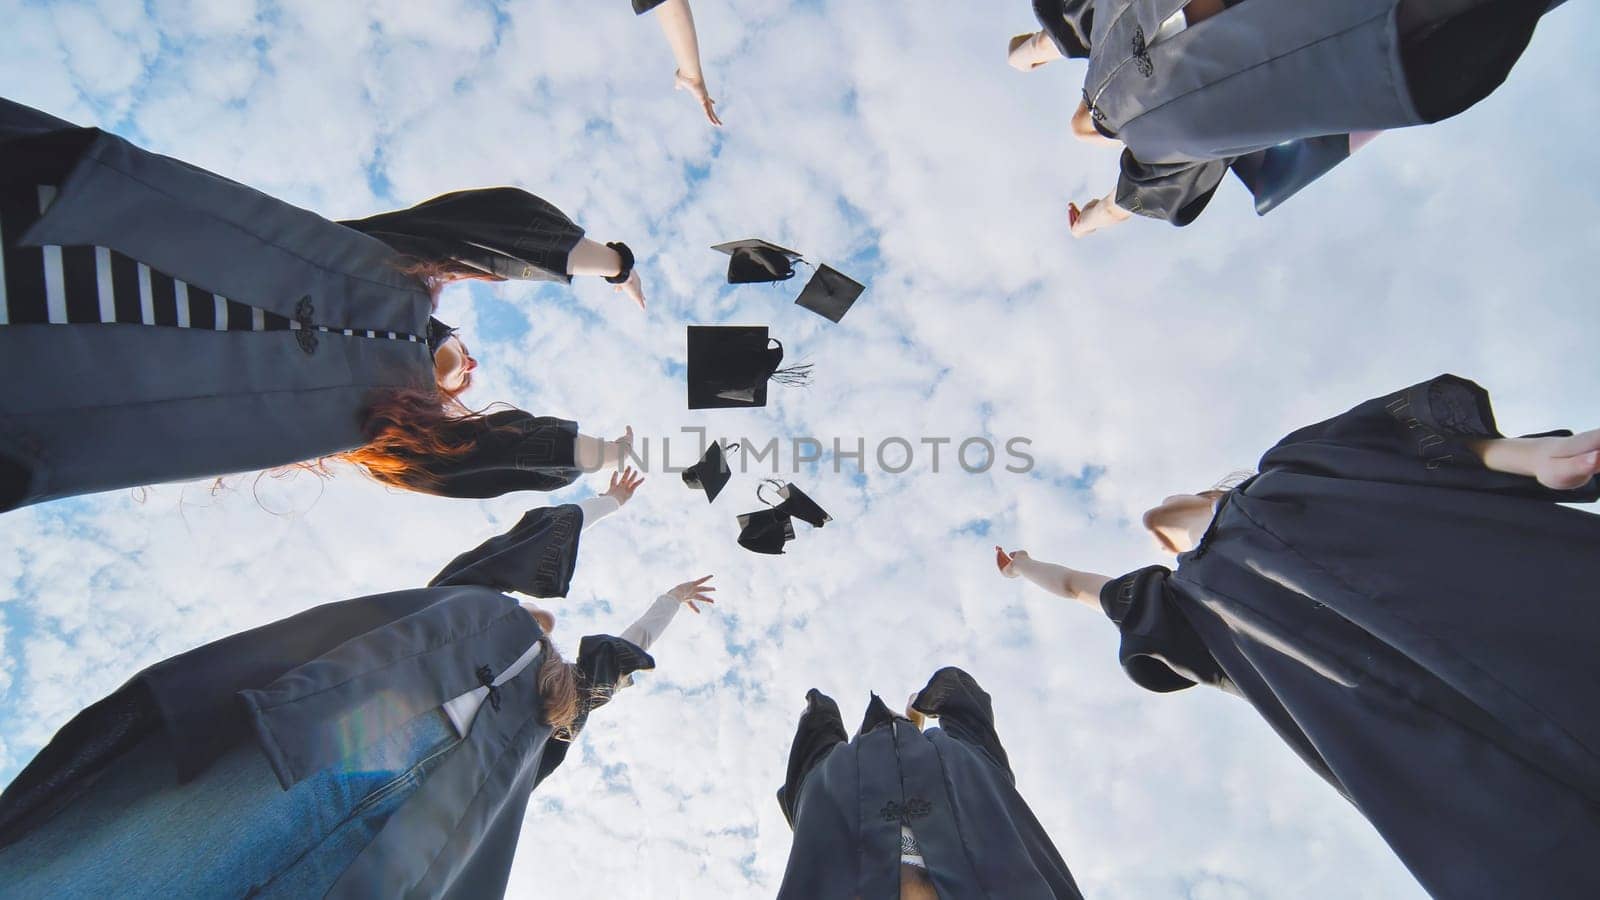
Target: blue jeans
[(231, 832)]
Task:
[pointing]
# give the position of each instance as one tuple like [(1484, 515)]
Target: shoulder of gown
[(1418, 435)]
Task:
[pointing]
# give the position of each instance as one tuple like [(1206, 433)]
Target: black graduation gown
[(847, 800), (94, 407), (1265, 72), (1420, 629), (299, 688)]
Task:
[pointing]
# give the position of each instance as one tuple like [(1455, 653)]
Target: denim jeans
[(231, 832)]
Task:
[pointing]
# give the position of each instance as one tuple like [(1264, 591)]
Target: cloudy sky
[(899, 147)]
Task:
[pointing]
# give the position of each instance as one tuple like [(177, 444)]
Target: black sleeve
[(965, 712), (1415, 436), (501, 233), (1175, 192), (511, 451), (1069, 24), (537, 556), (1160, 650), (821, 729), (640, 7)]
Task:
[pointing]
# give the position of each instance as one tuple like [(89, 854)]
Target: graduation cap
[(730, 365), (768, 530), (796, 504), (754, 261), (830, 293), (765, 531), (711, 473)]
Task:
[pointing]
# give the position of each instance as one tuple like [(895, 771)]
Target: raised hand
[(633, 288), (1003, 560), (623, 483), (697, 89), (693, 592), (1095, 215)]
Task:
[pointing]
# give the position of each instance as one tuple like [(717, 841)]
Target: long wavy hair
[(558, 690), (408, 428)]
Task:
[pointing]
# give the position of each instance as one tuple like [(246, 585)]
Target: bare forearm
[(677, 22), (593, 258), (1514, 456), (1083, 587)]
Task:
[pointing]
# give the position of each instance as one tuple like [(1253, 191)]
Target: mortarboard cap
[(830, 293), (711, 473), (729, 366), (795, 503), (754, 261), (765, 531)]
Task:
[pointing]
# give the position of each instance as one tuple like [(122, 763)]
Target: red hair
[(408, 428)]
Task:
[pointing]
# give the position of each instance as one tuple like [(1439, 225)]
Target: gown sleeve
[(1069, 24), (537, 556), (499, 233), (516, 451), (821, 729), (1160, 650), (1415, 436), (965, 712), (1174, 192)]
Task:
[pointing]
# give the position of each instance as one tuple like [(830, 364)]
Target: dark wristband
[(627, 263)]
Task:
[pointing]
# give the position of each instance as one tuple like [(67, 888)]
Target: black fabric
[(69, 764), (830, 294), (1069, 24), (25, 301), (536, 557), (1173, 192), (438, 333), (765, 531), (15, 476), (1180, 145), (1451, 66), (501, 232), (604, 662), (514, 451), (710, 474), (796, 504), (1418, 628), (757, 261), (848, 799), (759, 265), (729, 365), (640, 7), (310, 688)]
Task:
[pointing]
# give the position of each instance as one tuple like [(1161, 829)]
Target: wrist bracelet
[(627, 263)]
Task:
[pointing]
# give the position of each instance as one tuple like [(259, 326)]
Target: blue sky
[(901, 149)]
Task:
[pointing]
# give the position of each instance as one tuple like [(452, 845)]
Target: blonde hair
[(558, 690)]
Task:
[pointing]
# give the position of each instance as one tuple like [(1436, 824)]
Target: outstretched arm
[(594, 258), (593, 454), (644, 632), (1083, 587), (1559, 463), (677, 22)]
